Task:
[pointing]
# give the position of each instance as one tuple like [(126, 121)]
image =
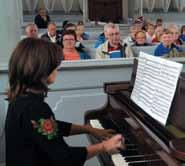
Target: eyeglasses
[(68, 39), (114, 34)]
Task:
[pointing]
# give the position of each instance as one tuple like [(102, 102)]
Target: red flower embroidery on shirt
[(47, 127)]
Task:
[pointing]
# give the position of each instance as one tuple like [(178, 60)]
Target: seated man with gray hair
[(31, 30), (113, 47), (51, 35)]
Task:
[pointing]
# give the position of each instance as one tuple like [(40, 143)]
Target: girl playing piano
[(33, 136)]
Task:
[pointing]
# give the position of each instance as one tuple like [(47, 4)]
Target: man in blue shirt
[(113, 47)]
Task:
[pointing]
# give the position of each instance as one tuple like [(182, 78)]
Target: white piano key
[(118, 160), (96, 124)]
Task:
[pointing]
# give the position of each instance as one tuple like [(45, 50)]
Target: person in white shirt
[(51, 34)]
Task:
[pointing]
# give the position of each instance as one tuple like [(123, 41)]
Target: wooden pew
[(146, 49)]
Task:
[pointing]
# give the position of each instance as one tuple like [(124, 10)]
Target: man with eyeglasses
[(112, 48)]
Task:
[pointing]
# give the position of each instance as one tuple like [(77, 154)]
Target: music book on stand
[(155, 85)]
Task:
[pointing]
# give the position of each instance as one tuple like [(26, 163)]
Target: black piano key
[(127, 141), (129, 153), (126, 134), (107, 124), (141, 157), (157, 162), (131, 146)]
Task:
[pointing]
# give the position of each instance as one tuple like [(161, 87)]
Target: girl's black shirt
[(34, 137)]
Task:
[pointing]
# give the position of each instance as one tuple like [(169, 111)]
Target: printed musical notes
[(155, 85)]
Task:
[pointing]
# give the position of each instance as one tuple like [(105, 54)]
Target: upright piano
[(148, 143)]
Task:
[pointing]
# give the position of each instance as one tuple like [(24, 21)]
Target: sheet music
[(155, 85)]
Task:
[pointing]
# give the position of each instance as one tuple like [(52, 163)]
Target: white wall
[(10, 17)]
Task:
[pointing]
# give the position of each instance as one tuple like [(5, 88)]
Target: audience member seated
[(140, 39), (167, 48), (80, 32), (157, 35), (130, 40), (146, 23), (159, 22), (102, 37), (112, 48), (150, 30), (60, 31), (175, 34), (70, 52), (31, 30), (139, 23), (65, 22), (42, 19), (182, 35), (70, 26), (51, 34)]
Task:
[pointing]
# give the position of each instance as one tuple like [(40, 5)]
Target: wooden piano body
[(147, 141)]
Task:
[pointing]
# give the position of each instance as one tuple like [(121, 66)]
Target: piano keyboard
[(131, 156)]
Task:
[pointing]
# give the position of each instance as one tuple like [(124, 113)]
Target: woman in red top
[(70, 52)]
